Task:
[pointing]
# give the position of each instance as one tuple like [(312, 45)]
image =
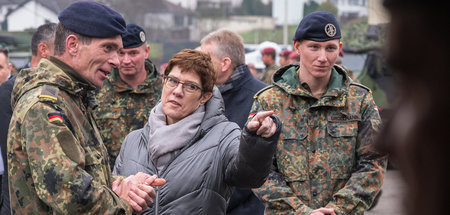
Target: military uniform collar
[(72, 73), (287, 78)]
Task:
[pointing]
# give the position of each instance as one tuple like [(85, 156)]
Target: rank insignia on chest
[(55, 117)]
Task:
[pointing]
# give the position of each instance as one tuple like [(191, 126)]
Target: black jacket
[(5, 118), (238, 97), (200, 179)]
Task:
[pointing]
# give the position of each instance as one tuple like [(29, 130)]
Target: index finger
[(158, 182), (260, 116), (149, 180)]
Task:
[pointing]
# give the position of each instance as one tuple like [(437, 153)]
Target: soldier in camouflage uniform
[(325, 161), (57, 163), (268, 57), (129, 93)]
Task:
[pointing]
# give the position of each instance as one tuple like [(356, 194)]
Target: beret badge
[(330, 30), (142, 36)]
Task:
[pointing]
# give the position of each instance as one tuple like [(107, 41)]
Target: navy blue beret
[(134, 37), (92, 19), (318, 26)]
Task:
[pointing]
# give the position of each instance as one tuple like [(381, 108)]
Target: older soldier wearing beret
[(129, 93), (57, 162), (325, 161)]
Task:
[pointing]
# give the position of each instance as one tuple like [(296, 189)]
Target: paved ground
[(390, 202)]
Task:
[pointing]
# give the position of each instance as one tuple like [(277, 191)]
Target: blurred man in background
[(42, 44), (294, 57), (5, 65), (284, 57), (268, 58)]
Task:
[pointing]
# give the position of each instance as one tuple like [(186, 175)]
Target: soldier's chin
[(99, 81)]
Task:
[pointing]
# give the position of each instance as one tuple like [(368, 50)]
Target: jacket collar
[(214, 114), (236, 78), (287, 79), (72, 73)]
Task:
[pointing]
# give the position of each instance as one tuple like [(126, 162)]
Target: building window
[(179, 20)]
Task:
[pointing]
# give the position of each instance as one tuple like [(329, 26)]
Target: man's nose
[(114, 60)]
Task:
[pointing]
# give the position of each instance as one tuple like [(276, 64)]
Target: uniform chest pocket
[(94, 164), (343, 132), (342, 129), (292, 156)]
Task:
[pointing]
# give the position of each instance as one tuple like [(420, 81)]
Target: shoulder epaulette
[(49, 94), (360, 85), (262, 90)]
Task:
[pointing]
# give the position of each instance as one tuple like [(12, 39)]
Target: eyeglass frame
[(183, 84)]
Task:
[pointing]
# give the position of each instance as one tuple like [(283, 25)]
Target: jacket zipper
[(156, 203)]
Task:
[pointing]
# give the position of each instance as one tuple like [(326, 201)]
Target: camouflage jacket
[(57, 162), (325, 156), (122, 108), (269, 71)]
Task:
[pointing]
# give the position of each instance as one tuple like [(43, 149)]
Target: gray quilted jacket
[(200, 179)]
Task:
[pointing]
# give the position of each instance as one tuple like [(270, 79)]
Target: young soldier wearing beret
[(129, 93), (57, 163), (325, 161)]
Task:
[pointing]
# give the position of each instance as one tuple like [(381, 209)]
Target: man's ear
[(226, 64), (72, 44), (297, 46), (43, 50), (147, 51)]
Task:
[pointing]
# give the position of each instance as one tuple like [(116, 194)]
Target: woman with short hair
[(190, 143)]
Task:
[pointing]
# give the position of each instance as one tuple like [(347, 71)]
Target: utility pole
[(285, 25)]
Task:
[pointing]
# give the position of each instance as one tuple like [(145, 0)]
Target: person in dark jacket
[(5, 118), (189, 142), (237, 86)]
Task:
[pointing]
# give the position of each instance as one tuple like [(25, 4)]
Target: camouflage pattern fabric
[(325, 156), (123, 108), (57, 163), (270, 70)]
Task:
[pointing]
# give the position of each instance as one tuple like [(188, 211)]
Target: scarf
[(165, 140)]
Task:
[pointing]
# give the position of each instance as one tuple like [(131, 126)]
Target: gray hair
[(227, 44)]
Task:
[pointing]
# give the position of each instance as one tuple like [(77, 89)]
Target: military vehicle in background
[(364, 56), (19, 45)]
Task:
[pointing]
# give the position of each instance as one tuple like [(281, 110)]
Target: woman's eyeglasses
[(188, 87)]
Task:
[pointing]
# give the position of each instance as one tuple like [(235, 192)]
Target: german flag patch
[(251, 115), (55, 117)]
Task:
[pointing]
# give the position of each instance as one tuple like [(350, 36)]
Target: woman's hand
[(263, 124), (137, 190)]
